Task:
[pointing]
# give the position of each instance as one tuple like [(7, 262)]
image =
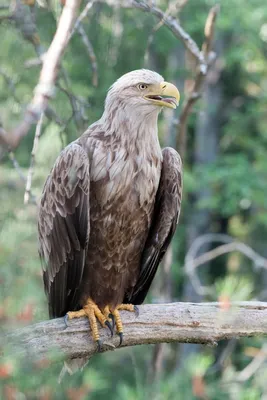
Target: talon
[(93, 313), (121, 338), (117, 318), (108, 324), (108, 317), (111, 316), (66, 318), (136, 310), (99, 345)]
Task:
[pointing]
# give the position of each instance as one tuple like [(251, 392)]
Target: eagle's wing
[(165, 219), (63, 227)]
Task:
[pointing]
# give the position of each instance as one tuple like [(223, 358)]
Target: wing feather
[(63, 227), (165, 218)]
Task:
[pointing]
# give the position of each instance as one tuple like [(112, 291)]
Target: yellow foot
[(115, 316), (93, 313)]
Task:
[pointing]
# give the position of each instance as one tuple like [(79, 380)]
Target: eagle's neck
[(132, 128)]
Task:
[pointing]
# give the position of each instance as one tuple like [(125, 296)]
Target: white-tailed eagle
[(110, 206)]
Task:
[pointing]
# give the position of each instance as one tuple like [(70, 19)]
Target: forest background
[(224, 199)]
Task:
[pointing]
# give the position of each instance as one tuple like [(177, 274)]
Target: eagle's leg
[(117, 317), (93, 313)]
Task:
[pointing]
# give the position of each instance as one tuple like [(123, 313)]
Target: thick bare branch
[(204, 323)]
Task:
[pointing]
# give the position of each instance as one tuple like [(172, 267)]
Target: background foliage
[(224, 190)]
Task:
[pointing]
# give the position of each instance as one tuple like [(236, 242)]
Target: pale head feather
[(129, 116), (125, 92), (133, 78)]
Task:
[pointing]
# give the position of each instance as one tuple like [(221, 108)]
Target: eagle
[(110, 206)]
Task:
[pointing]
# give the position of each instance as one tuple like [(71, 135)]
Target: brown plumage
[(111, 203)]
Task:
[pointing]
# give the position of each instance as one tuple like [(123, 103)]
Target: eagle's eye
[(142, 86)]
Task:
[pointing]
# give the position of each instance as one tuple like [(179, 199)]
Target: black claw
[(108, 324), (99, 345), (121, 338), (136, 310), (66, 318), (111, 316)]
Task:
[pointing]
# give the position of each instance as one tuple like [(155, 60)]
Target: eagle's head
[(143, 91)]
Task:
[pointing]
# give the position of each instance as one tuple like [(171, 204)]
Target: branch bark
[(204, 323)]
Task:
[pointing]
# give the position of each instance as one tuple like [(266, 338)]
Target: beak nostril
[(163, 87)]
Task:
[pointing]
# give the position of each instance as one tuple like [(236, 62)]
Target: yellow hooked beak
[(165, 94)]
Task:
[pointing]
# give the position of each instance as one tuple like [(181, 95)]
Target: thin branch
[(78, 26), (171, 7), (200, 77), (82, 16), (77, 104), (91, 53), (17, 167), (175, 27), (4, 17), (34, 62), (45, 88), (253, 366), (229, 248), (49, 112), (192, 261), (203, 58), (209, 30), (205, 323), (11, 84), (27, 193), (25, 21), (224, 356)]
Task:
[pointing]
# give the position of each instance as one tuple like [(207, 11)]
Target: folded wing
[(165, 219), (63, 227)]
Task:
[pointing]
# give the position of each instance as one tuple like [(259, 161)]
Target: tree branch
[(195, 92), (45, 88), (176, 29), (204, 323), (192, 261), (27, 194)]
